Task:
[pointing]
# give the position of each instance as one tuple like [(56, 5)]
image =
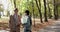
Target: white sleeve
[(22, 20)]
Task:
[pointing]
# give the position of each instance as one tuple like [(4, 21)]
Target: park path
[(55, 27), (52, 28)]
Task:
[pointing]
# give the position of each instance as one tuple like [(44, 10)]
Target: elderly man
[(15, 22)]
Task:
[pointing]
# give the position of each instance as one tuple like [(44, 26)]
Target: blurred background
[(40, 10)]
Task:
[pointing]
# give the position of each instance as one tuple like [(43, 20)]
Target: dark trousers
[(27, 28)]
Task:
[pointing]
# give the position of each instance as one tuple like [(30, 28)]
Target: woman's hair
[(16, 10), (27, 12)]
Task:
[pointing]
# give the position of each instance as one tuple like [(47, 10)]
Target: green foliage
[(23, 5)]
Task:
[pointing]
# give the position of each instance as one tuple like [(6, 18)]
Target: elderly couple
[(16, 20)]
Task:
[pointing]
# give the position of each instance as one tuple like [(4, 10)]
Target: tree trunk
[(49, 11), (45, 14), (15, 3), (33, 11), (55, 11), (0, 14), (39, 10), (27, 4)]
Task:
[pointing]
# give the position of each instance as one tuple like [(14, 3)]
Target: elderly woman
[(26, 21), (14, 22)]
